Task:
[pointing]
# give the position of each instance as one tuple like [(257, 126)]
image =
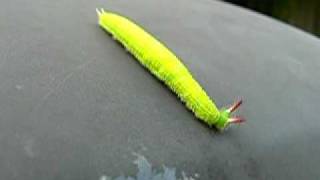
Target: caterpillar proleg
[(167, 67)]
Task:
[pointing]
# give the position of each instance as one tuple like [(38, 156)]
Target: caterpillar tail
[(226, 117)]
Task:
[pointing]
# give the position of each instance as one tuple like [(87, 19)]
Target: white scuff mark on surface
[(147, 172), (28, 148), (19, 87)]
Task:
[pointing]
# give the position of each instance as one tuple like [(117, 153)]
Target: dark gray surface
[(74, 105)]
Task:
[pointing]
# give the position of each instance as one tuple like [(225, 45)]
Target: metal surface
[(74, 105)]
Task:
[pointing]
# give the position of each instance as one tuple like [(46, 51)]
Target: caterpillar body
[(167, 67)]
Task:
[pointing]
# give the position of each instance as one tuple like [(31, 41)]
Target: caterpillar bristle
[(235, 106), (98, 12), (236, 120)]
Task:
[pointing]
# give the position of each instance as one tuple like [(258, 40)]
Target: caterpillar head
[(226, 119)]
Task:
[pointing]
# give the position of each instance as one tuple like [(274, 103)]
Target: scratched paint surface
[(147, 172)]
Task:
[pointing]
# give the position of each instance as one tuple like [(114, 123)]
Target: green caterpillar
[(167, 67)]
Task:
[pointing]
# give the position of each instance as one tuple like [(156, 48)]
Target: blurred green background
[(304, 14)]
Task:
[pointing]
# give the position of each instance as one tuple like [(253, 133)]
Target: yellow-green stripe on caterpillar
[(167, 67)]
